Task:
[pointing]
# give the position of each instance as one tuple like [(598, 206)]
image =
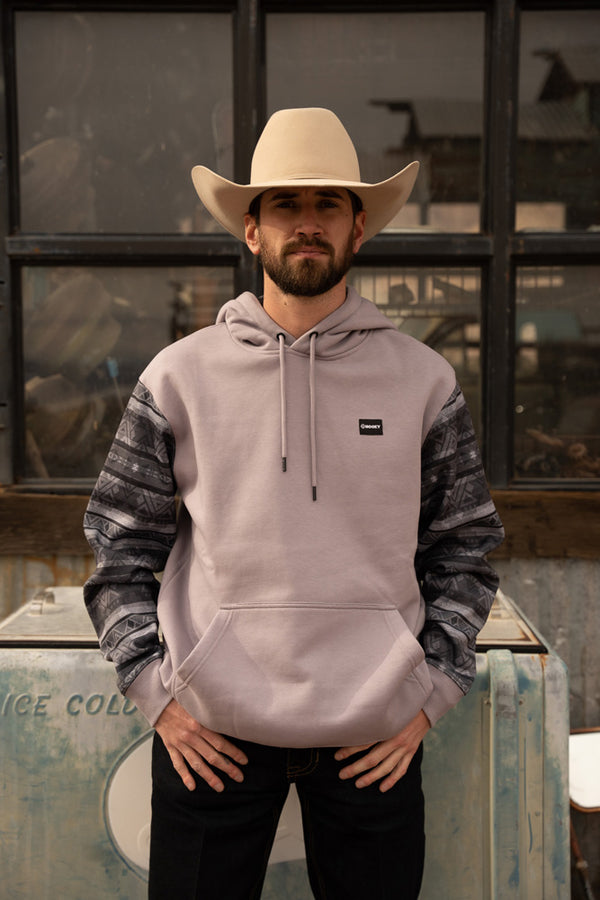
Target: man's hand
[(190, 744), (389, 759)]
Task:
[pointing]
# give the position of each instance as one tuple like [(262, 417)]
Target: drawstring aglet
[(283, 464), (314, 492)]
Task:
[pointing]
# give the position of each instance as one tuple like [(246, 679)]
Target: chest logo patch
[(370, 426)]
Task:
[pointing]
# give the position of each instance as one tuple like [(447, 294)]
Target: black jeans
[(361, 844)]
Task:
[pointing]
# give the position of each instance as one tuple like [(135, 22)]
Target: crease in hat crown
[(303, 147), (322, 148)]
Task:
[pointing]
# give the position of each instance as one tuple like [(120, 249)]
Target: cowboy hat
[(303, 147)]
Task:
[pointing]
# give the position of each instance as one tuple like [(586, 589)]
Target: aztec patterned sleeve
[(130, 524), (458, 526)]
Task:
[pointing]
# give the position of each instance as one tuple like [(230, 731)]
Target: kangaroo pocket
[(302, 677)]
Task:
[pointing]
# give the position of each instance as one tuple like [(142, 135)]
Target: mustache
[(307, 243)]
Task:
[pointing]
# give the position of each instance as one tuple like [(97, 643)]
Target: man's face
[(306, 238)]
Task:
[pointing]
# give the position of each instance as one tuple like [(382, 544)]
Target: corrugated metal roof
[(549, 121), (439, 119), (448, 118), (552, 121)]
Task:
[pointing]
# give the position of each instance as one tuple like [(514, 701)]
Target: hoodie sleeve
[(130, 525), (458, 526)]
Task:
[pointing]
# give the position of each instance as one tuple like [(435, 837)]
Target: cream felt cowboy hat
[(303, 147)]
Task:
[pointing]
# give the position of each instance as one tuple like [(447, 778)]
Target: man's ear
[(359, 230), (251, 229)]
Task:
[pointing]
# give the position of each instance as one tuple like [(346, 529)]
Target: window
[(113, 111), (364, 66), (557, 372), (88, 333), (107, 254), (559, 121)]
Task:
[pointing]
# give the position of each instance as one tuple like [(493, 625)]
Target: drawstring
[(283, 408), (282, 400), (313, 433)]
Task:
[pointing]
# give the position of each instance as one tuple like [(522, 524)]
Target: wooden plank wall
[(539, 524)]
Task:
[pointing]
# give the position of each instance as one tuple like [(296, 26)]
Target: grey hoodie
[(323, 585)]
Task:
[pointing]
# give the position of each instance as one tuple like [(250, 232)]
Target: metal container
[(75, 771)]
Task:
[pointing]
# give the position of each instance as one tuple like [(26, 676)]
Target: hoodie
[(326, 577)]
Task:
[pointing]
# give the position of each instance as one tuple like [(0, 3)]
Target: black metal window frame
[(496, 250)]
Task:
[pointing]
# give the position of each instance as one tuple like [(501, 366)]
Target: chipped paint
[(495, 782), (54, 765), (560, 596)]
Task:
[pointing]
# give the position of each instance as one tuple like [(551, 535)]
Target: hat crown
[(297, 144)]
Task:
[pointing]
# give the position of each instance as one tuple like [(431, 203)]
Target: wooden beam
[(539, 524), (549, 524), (42, 524)]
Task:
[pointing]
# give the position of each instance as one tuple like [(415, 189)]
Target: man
[(326, 578)]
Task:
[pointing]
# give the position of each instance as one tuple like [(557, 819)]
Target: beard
[(306, 277)]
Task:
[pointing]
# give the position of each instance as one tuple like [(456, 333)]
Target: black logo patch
[(370, 426)]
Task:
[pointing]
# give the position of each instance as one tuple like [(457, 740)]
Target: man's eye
[(285, 204), (329, 204)]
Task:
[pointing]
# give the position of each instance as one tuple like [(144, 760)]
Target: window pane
[(558, 172), (88, 334), (439, 306), (557, 372), (406, 86), (114, 110)]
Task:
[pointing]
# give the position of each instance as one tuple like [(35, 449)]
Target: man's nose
[(308, 221)]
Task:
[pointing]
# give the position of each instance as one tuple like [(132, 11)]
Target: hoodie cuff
[(148, 692), (446, 694)]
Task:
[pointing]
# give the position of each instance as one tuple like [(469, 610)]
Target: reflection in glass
[(558, 173), (557, 372), (406, 86), (88, 334), (114, 110), (438, 306)]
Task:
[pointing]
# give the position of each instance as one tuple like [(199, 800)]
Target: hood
[(339, 333), (343, 330)]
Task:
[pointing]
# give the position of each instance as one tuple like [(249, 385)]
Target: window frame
[(497, 250)]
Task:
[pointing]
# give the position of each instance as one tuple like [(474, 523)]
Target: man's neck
[(297, 315)]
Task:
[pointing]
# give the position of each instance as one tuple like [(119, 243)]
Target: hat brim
[(228, 202)]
